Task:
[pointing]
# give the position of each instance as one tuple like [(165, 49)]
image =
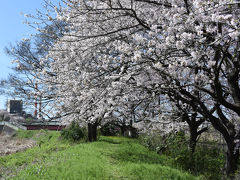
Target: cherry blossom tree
[(115, 50)]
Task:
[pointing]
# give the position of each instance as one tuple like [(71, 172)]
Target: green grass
[(207, 161), (108, 158)]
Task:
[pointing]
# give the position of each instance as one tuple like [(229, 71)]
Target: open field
[(108, 158)]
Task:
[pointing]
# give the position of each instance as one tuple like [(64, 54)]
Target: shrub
[(74, 132), (162, 144)]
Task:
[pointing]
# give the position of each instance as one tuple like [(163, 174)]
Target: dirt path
[(10, 145)]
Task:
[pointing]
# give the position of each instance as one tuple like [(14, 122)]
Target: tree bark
[(193, 140), (193, 125), (122, 128), (92, 132), (232, 157)]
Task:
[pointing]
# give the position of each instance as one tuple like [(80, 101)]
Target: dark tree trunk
[(232, 154), (92, 132), (232, 158), (194, 137), (193, 140), (193, 125), (122, 128)]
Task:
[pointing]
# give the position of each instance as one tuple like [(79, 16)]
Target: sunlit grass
[(108, 158)]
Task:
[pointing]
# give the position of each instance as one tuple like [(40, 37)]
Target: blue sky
[(12, 30)]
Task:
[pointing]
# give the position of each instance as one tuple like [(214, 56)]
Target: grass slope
[(108, 158)]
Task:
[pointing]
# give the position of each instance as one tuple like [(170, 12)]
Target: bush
[(207, 160), (162, 144), (74, 132)]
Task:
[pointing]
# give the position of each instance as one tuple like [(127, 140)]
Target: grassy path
[(110, 158)]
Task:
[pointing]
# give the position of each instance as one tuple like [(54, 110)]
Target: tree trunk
[(122, 130), (232, 157), (193, 126), (92, 132), (193, 140), (194, 136)]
